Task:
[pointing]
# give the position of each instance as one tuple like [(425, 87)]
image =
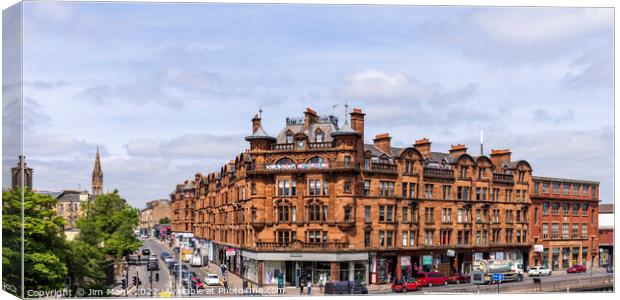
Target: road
[(471, 288), (166, 282)]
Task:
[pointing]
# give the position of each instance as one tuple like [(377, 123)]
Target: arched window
[(319, 136), (316, 160), (285, 161), (289, 137)]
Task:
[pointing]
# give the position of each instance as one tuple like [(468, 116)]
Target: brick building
[(316, 201), (183, 209), (606, 234), (152, 213), (564, 222)]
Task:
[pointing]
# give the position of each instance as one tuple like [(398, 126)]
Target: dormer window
[(319, 136), (289, 137)]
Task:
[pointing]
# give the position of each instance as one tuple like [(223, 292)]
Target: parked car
[(539, 271), (345, 288), (174, 268), (146, 251), (431, 278), (577, 269), (213, 279), (197, 283), (410, 285), (166, 257), (458, 278)]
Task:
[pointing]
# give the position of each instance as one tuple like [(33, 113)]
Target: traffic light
[(124, 284), (156, 276), (135, 280)]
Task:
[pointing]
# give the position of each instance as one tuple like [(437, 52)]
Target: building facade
[(153, 212), (316, 202), (70, 207), (564, 222), (606, 234), (21, 175)]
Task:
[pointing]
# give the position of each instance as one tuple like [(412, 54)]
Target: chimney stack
[(424, 146), (357, 121), (310, 117), (457, 150), (383, 142), (255, 123), (500, 156)]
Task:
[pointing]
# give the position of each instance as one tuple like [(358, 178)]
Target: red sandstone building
[(564, 222), (316, 202)]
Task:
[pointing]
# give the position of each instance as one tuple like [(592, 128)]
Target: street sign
[(498, 276)]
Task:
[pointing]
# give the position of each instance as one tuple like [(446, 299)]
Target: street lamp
[(126, 268)]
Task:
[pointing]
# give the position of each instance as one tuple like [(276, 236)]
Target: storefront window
[(344, 271), (565, 257), (385, 268), (359, 272), (584, 256), (555, 260), (575, 256), (545, 257)]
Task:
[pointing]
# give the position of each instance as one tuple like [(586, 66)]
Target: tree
[(110, 220), (44, 267), (164, 220), (85, 265)]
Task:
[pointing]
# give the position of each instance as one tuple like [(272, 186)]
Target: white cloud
[(189, 146), (541, 25), (59, 145)]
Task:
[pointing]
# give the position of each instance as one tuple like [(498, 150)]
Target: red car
[(576, 269), (403, 287), (197, 283), (431, 278), (458, 278)]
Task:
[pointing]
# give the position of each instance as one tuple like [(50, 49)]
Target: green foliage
[(164, 220), (85, 264), (110, 220), (44, 241)]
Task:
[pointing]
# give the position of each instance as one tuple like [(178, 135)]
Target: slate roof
[(327, 127), (260, 133), (345, 130)]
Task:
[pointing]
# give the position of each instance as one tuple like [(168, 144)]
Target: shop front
[(264, 268)]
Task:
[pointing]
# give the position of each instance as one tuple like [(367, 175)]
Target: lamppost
[(126, 268)]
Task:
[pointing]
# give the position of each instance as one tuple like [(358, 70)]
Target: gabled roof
[(375, 151), (326, 127)]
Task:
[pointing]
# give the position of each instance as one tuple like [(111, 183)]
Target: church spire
[(97, 183)]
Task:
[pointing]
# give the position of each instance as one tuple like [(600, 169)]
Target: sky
[(169, 90)]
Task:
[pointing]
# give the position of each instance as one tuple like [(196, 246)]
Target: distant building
[(149, 217), (18, 176), (606, 234), (69, 207), (97, 180)]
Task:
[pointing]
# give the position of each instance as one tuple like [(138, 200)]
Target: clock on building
[(301, 144)]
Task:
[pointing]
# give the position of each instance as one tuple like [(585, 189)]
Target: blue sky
[(168, 90)]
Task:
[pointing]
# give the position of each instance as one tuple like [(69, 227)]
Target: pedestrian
[(309, 286), (225, 284), (301, 287)]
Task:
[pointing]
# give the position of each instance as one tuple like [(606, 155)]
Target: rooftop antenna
[(346, 112), (481, 142), (260, 112)]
